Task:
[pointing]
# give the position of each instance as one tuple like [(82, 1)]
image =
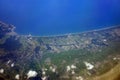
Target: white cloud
[(88, 65), (79, 78), (73, 72), (1, 71), (52, 69), (68, 68), (73, 66), (8, 61), (31, 73), (44, 78), (12, 65), (17, 77), (104, 40), (43, 72)]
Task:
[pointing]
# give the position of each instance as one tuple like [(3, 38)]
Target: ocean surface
[(54, 17)]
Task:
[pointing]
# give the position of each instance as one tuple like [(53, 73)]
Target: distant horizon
[(104, 28)]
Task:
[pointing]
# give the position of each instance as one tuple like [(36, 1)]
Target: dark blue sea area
[(54, 17)]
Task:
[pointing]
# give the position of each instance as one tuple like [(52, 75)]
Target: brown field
[(113, 74)]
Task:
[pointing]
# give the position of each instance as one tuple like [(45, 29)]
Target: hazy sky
[(48, 17)]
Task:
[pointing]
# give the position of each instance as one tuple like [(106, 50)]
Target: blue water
[(53, 17)]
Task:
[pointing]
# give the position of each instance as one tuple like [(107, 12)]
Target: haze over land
[(93, 55), (74, 40)]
